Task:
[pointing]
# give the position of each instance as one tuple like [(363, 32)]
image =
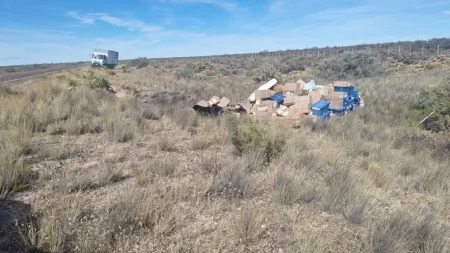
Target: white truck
[(104, 58)]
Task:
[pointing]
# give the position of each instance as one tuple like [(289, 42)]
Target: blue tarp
[(278, 97)]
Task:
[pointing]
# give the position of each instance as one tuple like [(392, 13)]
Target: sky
[(54, 31)]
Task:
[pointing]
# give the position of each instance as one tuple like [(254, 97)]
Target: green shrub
[(248, 136), (186, 73), (97, 82), (350, 65), (140, 62), (435, 100)]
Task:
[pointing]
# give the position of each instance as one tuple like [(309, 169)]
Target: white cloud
[(131, 24), (222, 4), (341, 12), (82, 19)]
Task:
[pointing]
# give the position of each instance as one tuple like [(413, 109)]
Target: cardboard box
[(315, 96), (269, 103), (342, 83), (336, 103), (262, 94), (214, 101), (302, 100), (335, 95), (301, 82), (298, 110), (281, 113), (223, 102), (263, 108), (279, 88), (203, 103), (283, 108), (295, 87), (289, 100), (247, 107)]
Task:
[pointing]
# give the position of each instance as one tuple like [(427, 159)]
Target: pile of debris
[(300, 99), (289, 101)]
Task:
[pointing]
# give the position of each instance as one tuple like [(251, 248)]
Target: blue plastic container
[(321, 109), (352, 92), (278, 97)]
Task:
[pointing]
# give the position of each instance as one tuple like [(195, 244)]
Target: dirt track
[(25, 75)]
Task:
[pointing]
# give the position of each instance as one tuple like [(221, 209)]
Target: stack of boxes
[(289, 101)]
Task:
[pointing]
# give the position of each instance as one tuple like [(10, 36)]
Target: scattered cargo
[(290, 101)]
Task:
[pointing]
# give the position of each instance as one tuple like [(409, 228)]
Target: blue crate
[(352, 92), (321, 109)]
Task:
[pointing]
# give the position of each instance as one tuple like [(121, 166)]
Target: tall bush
[(350, 65)]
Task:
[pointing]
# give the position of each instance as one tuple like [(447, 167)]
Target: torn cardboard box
[(262, 94), (336, 95), (214, 101), (224, 102), (279, 88), (289, 100), (315, 96)]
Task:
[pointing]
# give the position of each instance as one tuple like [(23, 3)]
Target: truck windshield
[(98, 56)]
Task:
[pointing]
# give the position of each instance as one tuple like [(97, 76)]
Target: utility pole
[(422, 49), (437, 50)]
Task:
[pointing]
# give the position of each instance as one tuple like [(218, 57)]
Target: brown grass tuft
[(248, 225)]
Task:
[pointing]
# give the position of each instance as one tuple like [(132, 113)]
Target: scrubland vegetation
[(117, 161)]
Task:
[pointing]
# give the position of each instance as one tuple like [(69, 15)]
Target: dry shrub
[(345, 196), (121, 131), (291, 188), (200, 142), (184, 118), (380, 176), (141, 209), (248, 225), (166, 144), (232, 181), (411, 230), (211, 164), (249, 135), (309, 240), (53, 235), (164, 166), (434, 180), (88, 182), (150, 113), (14, 173)]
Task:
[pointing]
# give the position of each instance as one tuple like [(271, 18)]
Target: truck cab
[(98, 59)]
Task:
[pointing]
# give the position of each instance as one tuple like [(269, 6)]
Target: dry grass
[(166, 144), (291, 188), (249, 224), (345, 196), (236, 184), (141, 210), (232, 181), (408, 231), (86, 182)]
